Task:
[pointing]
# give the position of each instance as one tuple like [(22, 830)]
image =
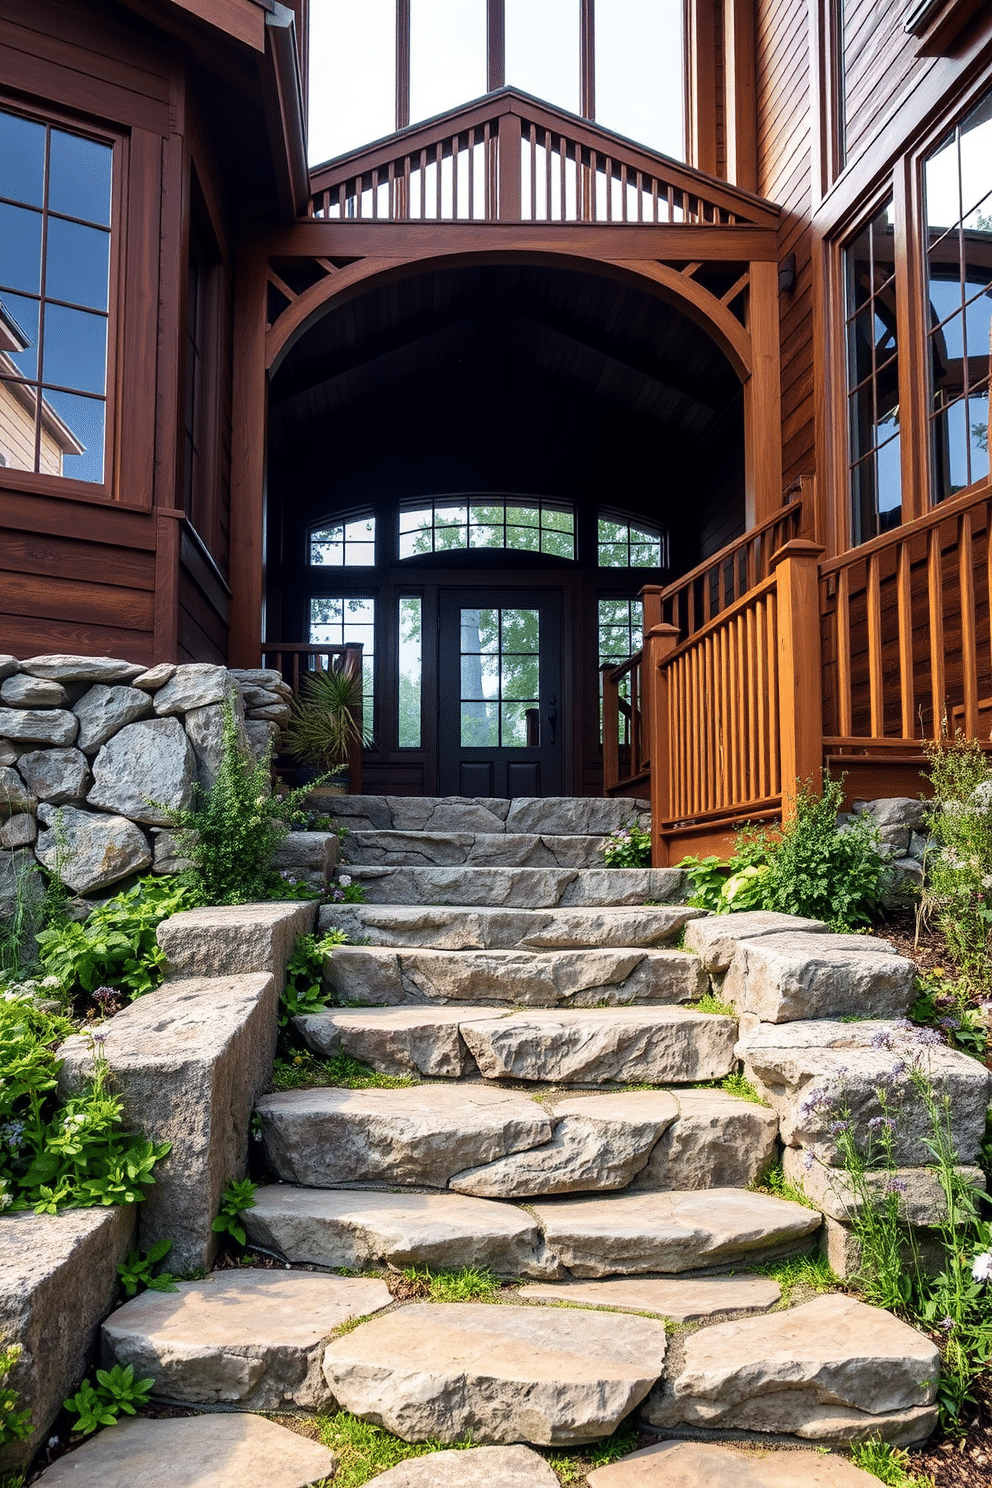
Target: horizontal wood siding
[(878, 61), (784, 176)]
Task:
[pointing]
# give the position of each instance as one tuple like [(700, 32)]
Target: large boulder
[(788, 977), (90, 851), (197, 685), (102, 711), (55, 775), (145, 772)]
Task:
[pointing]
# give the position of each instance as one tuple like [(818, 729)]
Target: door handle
[(553, 717)]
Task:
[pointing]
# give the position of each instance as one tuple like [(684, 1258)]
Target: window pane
[(410, 673), (19, 317), (72, 433), (542, 50), (22, 160), (77, 264), (447, 54), (639, 71), (943, 200), (976, 155), (17, 425), (357, 104), (20, 248), (79, 177), (75, 353)]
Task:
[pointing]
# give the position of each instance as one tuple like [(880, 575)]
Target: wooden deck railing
[(906, 637), (294, 660), (625, 764)]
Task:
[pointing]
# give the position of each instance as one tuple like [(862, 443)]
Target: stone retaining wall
[(95, 754)]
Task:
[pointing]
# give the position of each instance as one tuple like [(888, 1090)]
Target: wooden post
[(659, 642), (650, 597), (248, 461), (508, 209), (800, 673), (762, 399)]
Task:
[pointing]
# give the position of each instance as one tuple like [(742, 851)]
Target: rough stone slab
[(214, 1451), (82, 668), (32, 692), (351, 1229), (717, 937), (14, 794), (188, 1061), (88, 850), (155, 677), (560, 815), (498, 929), (18, 831), (58, 1280), (267, 677), (166, 853), (232, 938), (588, 978), (261, 737), (505, 1374), (786, 978), (423, 1041), (246, 1339), (684, 1300), (630, 1046), (145, 771), (921, 1198), (718, 1141), (55, 775), (422, 1134), (680, 1464), (195, 685), (316, 852), (528, 888), (598, 1144), (811, 1071), (828, 1371), (20, 881), (8, 666), (893, 811), (476, 1467), (205, 731), (38, 725), (477, 849), (102, 711), (629, 1233)]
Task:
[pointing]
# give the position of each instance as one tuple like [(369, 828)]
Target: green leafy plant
[(304, 990), (15, 1425), (628, 847), (709, 1003), (469, 1284), (741, 1085), (230, 831), (116, 945), (801, 1276), (116, 1392), (889, 1464), (137, 1272), (325, 721), (957, 891), (343, 1069), (238, 1196), (947, 1004), (344, 890)]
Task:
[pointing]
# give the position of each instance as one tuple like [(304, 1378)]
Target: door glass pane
[(542, 50), (410, 672), (500, 676)]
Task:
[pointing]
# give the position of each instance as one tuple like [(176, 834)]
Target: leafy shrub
[(137, 1273), (117, 943), (116, 1391), (61, 1154), (811, 868), (628, 847), (304, 990), (958, 889), (230, 832), (238, 1196), (15, 1425)]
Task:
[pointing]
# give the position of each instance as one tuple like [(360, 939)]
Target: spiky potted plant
[(325, 724)]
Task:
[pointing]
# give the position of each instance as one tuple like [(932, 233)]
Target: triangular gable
[(511, 157)]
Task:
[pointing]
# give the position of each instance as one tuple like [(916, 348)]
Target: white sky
[(352, 62)]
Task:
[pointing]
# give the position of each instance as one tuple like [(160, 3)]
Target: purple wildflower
[(947, 1324)]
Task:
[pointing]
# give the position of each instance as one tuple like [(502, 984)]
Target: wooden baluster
[(681, 744), (439, 170), (654, 199), (635, 722), (640, 196), (375, 194), (471, 174), (455, 155), (548, 181), (671, 203), (593, 188), (904, 606), (623, 191), (875, 680), (800, 719), (969, 637), (611, 730), (659, 643), (844, 686), (726, 737), (735, 670), (532, 140), (772, 709), (563, 163), (423, 185), (935, 594), (695, 733), (760, 689)]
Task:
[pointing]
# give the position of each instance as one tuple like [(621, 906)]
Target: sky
[(352, 51)]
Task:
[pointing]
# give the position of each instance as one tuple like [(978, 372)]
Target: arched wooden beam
[(679, 290)]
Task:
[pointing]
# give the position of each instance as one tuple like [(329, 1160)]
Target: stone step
[(472, 1467), (513, 887), (485, 928), (683, 1300), (377, 976), (501, 1374), (558, 1239), (694, 1464), (832, 1371), (244, 1340), (475, 849), (656, 1044), (562, 816)]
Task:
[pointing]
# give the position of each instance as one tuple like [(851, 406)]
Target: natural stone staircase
[(523, 989)]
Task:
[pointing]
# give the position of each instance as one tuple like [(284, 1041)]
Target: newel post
[(800, 671), (659, 642)]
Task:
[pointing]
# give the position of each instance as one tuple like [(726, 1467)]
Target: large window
[(523, 526), (873, 378), (55, 271)]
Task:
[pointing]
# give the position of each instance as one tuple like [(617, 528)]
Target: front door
[(500, 693)]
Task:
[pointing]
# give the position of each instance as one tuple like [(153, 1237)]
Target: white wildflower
[(981, 1268)]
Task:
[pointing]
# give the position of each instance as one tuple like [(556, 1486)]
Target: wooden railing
[(294, 660), (510, 158), (905, 634), (625, 764)]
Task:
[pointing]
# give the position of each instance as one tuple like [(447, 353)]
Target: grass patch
[(303, 1070), (364, 1451), (708, 1003), (572, 1467), (890, 1464), (776, 1184), (470, 1284), (739, 1085), (801, 1277)]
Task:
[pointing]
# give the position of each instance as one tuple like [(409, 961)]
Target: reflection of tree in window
[(342, 620), (55, 206), (348, 544), (958, 195), (624, 546), (500, 675), (446, 526)]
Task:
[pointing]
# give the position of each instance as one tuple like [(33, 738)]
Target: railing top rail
[(790, 512), (303, 648), (954, 506), (723, 618), (614, 673)]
